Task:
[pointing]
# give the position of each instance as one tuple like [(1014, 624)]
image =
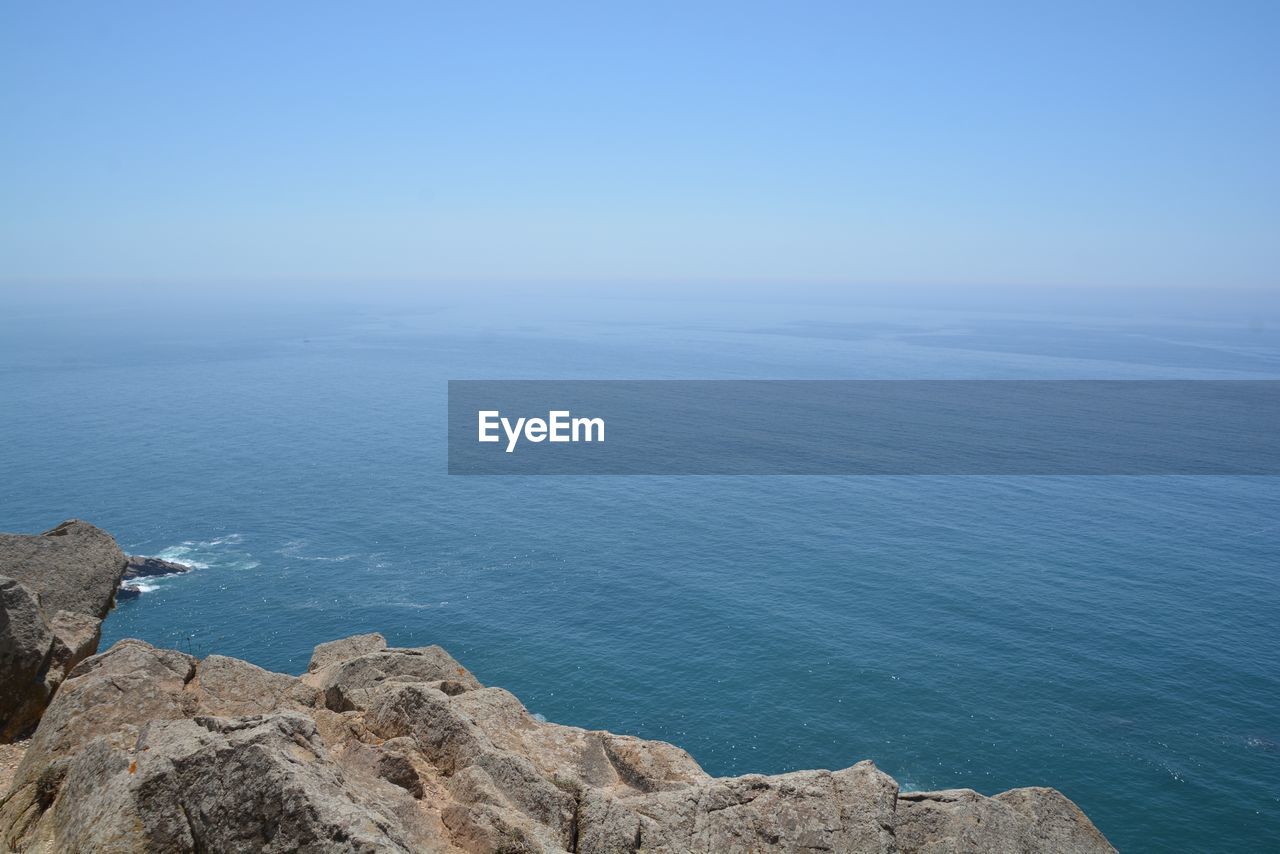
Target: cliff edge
[(403, 750), (55, 588)]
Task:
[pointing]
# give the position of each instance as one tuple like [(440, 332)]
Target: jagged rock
[(391, 761), (10, 757), (75, 638), (257, 783), (229, 686), (849, 810), (108, 696), (336, 652), (25, 645), (376, 749), (73, 567), (403, 750), (347, 684), (55, 588), (137, 566), (490, 786), (127, 686), (1031, 819)]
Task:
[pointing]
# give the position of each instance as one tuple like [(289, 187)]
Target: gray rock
[(137, 566), (258, 783), (73, 567), (335, 652), (378, 749), (491, 787), (961, 820), (346, 685), (109, 696), (849, 810), (229, 686), (26, 642), (391, 761), (54, 590), (75, 638), (595, 759)]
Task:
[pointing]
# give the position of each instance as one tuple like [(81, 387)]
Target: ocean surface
[(1115, 637)]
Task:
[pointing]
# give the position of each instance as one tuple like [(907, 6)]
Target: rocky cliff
[(399, 750), (55, 588)]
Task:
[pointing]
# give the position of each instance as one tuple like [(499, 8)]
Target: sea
[(1117, 638)]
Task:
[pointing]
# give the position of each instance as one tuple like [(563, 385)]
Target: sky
[(1022, 144)]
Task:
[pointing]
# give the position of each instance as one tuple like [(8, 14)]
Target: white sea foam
[(215, 553), (413, 605), (293, 550), (182, 554)]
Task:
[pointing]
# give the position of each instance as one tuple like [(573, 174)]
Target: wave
[(293, 551), (181, 554), (218, 553)]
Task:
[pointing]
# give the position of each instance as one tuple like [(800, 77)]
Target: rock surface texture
[(390, 750), (55, 588)]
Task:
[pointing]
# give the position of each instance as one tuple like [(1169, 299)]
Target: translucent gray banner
[(868, 427)]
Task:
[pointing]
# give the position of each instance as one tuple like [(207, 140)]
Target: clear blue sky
[(1105, 144)]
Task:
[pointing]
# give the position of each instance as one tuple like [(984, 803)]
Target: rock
[(109, 696), (346, 684), (125, 687), (10, 757), (73, 567), (229, 686), (55, 589), (137, 567), (75, 638), (393, 750), (257, 783), (377, 749), (391, 761), (1032, 819), (493, 790), (849, 810), (346, 649), (26, 642), (149, 567)]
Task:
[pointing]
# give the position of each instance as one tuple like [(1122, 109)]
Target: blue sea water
[(1117, 638)]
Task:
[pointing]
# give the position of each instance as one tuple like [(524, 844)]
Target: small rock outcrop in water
[(55, 588), (146, 567), (403, 750)]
